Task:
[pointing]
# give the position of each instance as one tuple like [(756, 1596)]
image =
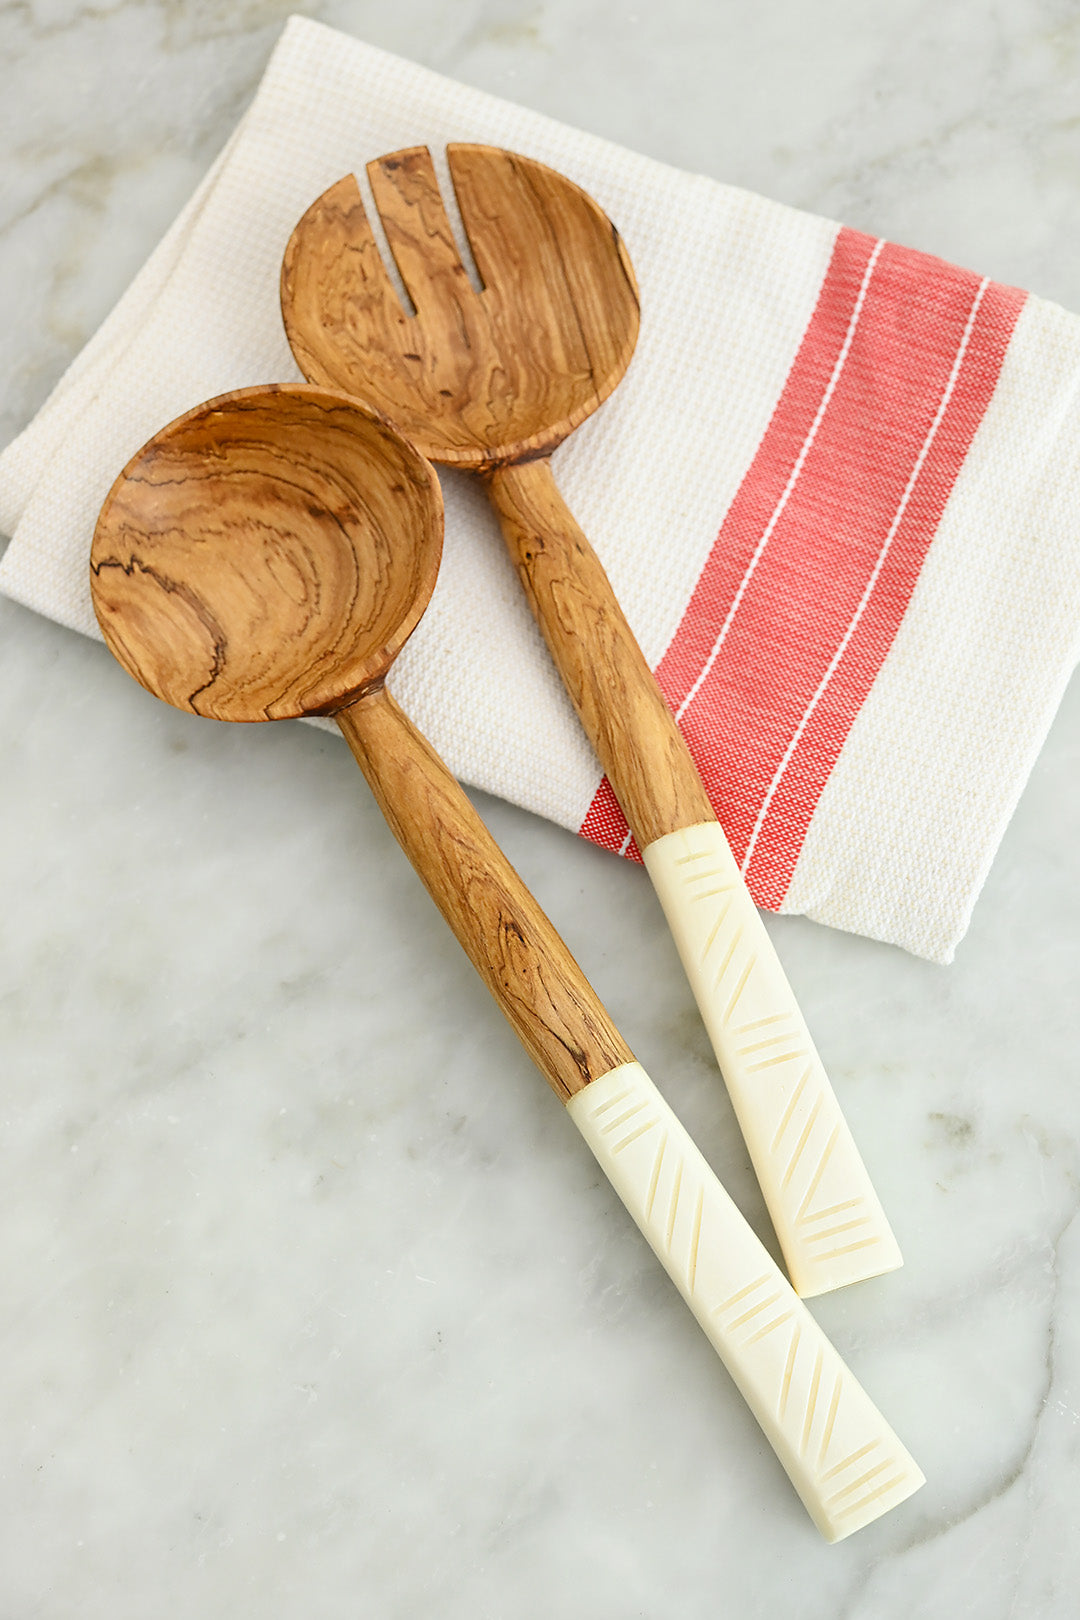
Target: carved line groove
[(612, 1102), (873, 1496), (726, 963), (760, 1046), (739, 988), (743, 1292), (785, 1387), (833, 1209), (819, 1172), (721, 918), (838, 1385), (695, 1238), (791, 1107), (774, 1062), (656, 1175), (648, 1125), (857, 1484), (852, 1457), (613, 1124), (801, 1143), (777, 1321), (849, 1248), (759, 1023), (834, 1231), (675, 1190), (811, 1403), (755, 1310)]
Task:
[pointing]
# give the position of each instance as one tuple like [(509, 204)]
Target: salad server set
[(267, 555)]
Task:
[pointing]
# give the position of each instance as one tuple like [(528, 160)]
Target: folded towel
[(836, 493)]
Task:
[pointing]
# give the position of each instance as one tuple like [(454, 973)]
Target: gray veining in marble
[(311, 1301)]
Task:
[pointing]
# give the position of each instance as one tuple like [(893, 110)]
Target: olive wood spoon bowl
[(267, 556), (494, 381)]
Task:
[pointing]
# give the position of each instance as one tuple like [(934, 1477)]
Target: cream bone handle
[(839, 1453), (830, 1224), (843, 1459)]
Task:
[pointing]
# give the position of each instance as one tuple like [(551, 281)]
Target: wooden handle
[(612, 687), (510, 942), (843, 1459), (802, 1149)]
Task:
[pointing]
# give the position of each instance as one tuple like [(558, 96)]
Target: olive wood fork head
[(476, 379)]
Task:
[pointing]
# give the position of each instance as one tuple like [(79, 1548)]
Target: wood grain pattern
[(611, 686), (267, 555), (511, 943), (472, 378), (494, 380)]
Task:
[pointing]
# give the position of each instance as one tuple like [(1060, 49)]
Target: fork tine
[(314, 294), (528, 226), (492, 201), (519, 215), (542, 243), (417, 229)]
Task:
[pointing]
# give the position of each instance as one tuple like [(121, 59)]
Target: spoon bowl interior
[(267, 555)]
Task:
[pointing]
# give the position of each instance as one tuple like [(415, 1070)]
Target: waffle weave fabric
[(836, 494)]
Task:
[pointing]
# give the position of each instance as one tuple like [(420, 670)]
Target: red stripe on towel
[(816, 560)]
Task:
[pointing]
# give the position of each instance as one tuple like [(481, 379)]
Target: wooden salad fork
[(266, 556), (494, 381)]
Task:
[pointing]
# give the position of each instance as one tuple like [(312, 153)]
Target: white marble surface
[(312, 1301)]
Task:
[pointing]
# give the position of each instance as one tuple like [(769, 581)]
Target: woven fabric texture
[(834, 493)]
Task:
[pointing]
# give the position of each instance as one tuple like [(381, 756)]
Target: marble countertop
[(312, 1301)]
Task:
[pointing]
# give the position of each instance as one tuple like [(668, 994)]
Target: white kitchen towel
[(838, 494)]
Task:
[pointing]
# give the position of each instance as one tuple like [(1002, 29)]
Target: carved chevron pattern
[(802, 1150), (845, 1461), (669, 1191), (809, 1417)]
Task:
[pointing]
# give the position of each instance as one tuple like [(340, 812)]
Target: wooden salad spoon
[(493, 381), (267, 556)]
